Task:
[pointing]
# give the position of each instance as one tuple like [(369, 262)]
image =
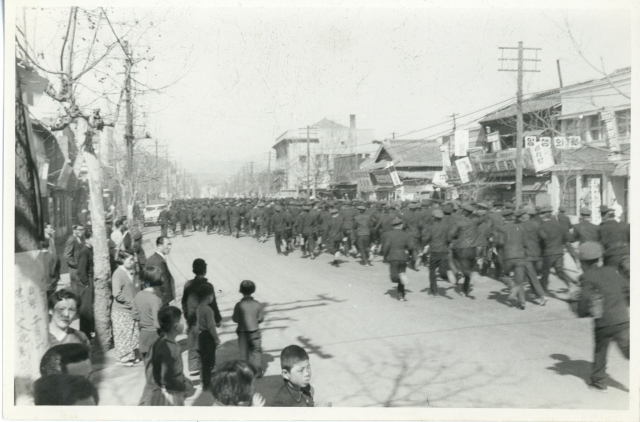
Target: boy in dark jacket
[(296, 371), (248, 313)]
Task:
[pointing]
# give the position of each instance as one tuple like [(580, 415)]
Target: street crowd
[(455, 241)]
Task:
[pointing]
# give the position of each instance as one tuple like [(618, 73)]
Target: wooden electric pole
[(520, 120), (308, 166)]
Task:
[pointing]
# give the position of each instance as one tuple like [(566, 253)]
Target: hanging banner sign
[(494, 140), (529, 141), (573, 142), (446, 157), (596, 200), (393, 174), (440, 178), (464, 168), (542, 157), (609, 119), (461, 139)]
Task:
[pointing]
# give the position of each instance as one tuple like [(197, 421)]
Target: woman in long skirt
[(125, 330)]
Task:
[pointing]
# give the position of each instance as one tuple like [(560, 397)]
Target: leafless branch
[(93, 41), (95, 62)]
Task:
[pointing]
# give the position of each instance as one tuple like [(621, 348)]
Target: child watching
[(166, 360), (208, 338), (232, 385), (296, 371), (248, 313), (146, 305)]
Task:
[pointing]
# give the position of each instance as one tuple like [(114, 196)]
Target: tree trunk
[(102, 269)]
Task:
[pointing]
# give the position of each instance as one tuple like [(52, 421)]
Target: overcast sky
[(251, 73)]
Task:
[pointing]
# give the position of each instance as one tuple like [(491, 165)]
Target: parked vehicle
[(152, 212)]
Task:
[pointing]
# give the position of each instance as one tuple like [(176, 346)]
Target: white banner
[(573, 142), (596, 201), (461, 138), (464, 168), (395, 179), (440, 178), (446, 158), (494, 140), (609, 119), (529, 141), (542, 157)]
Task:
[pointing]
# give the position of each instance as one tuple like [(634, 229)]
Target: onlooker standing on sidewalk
[(125, 331), (613, 324), (208, 339), (72, 250), (83, 285), (159, 259), (166, 361), (146, 305), (248, 313), (49, 236), (51, 268), (190, 303)]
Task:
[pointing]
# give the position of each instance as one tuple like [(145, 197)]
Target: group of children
[(232, 383)]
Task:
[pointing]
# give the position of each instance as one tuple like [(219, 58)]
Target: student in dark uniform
[(615, 238), (554, 237), (613, 324), (363, 223), (280, 225), (585, 230), (435, 236), (462, 236), (333, 235), (395, 245)]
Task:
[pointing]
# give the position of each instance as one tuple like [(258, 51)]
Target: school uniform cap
[(520, 212), (546, 208), (590, 250), (137, 235), (437, 213), (507, 211), (604, 209), (396, 222), (361, 207), (531, 210), (509, 205), (468, 207), (413, 206), (334, 211), (482, 205), (278, 207), (562, 208), (585, 211)]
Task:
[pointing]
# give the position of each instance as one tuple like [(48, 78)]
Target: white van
[(152, 212)]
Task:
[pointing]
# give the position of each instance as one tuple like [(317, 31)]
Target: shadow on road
[(580, 369)]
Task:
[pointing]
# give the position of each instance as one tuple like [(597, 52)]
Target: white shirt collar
[(162, 255)]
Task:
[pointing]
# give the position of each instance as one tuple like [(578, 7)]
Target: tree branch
[(24, 50), (95, 36), (95, 62)]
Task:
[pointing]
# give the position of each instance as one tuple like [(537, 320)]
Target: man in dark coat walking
[(395, 245)]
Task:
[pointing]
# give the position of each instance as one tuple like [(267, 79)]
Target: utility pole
[(166, 151), (129, 124), (269, 176), (454, 121), (559, 72), (308, 165), (520, 120)]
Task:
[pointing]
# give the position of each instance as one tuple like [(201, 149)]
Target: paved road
[(367, 349)]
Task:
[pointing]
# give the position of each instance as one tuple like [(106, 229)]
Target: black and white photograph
[(382, 210)]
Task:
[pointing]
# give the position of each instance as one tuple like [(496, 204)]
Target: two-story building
[(306, 156)]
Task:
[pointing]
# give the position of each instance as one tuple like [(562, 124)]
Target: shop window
[(568, 193), (623, 120), (595, 127)]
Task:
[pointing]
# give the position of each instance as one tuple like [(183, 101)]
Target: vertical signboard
[(541, 156), (395, 179), (446, 157), (529, 141), (596, 200), (464, 168), (461, 139), (494, 140), (609, 119)]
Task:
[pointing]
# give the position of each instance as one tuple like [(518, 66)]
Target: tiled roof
[(542, 101), (416, 152), (329, 124)]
